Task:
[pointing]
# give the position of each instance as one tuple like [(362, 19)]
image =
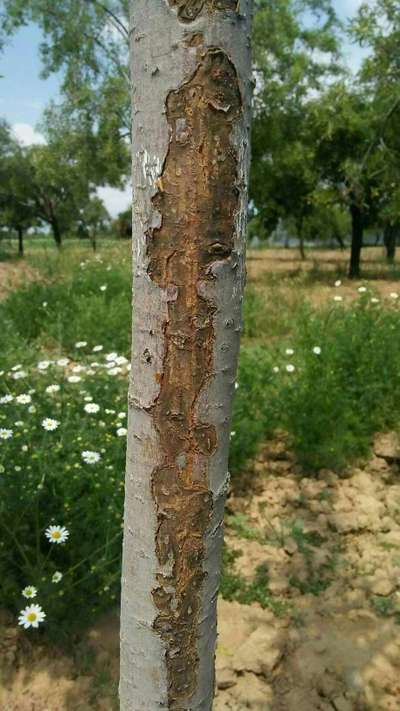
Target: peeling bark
[(197, 203), (190, 172), (189, 10)]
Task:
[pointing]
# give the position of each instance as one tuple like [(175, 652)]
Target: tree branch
[(115, 19)]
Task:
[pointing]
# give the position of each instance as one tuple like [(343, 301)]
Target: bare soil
[(14, 274), (331, 547)]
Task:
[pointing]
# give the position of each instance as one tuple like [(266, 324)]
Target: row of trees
[(46, 185), (325, 143)]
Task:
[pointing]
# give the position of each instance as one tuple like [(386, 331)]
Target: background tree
[(295, 51), (17, 212)]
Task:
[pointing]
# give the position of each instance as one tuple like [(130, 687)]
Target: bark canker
[(197, 201), (189, 10)]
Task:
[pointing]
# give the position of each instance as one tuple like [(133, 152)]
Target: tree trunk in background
[(357, 226), (339, 240), (300, 235), (191, 71), (55, 228), (20, 242), (389, 240)]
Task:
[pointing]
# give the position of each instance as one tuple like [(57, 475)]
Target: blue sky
[(23, 94)]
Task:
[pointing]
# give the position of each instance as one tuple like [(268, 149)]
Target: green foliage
[(44, 481), (73, 308), (331, 403), (254, 416), (235, 587)]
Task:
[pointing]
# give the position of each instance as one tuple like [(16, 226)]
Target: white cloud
[(115, 200), (26, 134)]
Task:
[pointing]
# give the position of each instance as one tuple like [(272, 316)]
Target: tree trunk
[(20, 242), (339, 240), (191, 107), (299, 227), (389, 240), (55, 227), (357, 227)]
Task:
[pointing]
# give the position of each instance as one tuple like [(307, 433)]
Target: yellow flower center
[(32, 616), (56, 534)]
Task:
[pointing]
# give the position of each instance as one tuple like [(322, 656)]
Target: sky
[(24, 95)]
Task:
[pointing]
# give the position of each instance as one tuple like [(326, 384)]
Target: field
[(309, 614)]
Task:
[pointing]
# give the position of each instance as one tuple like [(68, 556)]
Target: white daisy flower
[(103, 287), (19, 374), (90, 371), (276, 369), (17, 367), (289, 351), (338, 298), (51, 389), (19, 423), (24, 448), (6, 399), (233, 433), (56, 534), (317, 350), (111, 356), (74, 378), (122, 431), (362, 289), (121, 360), (63, 362), (31, 616), (49, 424), (29, 591), (80, 344), (109, 412), (44, 304), (23, 399), (57, 577), (88, 398), (290, 368), (374, 300), (129, 366), (115, 371), (31, 409), (121, 415), (91, 407), (338, 283), (77, 369), (5, 434), (394, 295), (90, 457), (43, 365), (97, 349)]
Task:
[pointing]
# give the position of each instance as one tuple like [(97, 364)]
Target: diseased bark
[(357, 222), (191, 104)]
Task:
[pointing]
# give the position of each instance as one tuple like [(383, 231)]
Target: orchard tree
[(342, 121), (191, 74), (295, 52), (17, 212)]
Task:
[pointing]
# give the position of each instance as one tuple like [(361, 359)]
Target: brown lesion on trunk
[(197, 200), (189, 10)]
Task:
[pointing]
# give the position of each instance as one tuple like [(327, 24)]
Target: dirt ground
[(331, 547), (13, 274)]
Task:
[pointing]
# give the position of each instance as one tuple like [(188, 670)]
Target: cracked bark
[(191, 97)]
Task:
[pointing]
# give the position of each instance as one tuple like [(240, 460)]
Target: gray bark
[(191, 71)]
